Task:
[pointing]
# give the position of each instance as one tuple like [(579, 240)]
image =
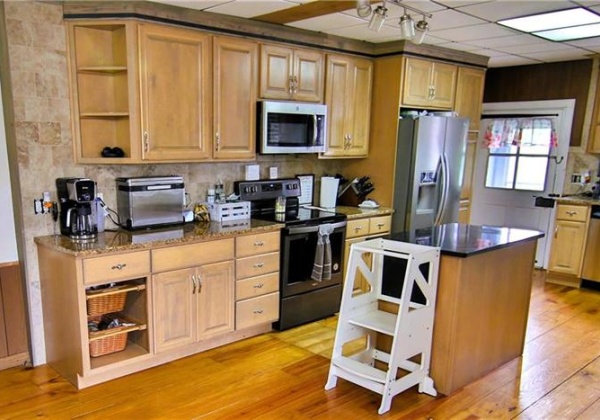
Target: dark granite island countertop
[(461, 240)]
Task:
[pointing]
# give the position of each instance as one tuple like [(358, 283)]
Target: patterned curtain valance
[(536, 131)]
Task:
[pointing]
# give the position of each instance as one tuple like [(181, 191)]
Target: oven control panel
[(267, 189)]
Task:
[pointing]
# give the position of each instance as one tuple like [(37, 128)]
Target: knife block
[(349, 197)]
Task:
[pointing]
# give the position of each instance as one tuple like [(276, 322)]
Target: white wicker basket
[(224, 212)]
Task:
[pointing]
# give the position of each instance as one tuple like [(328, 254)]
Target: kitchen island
[(483, 297)]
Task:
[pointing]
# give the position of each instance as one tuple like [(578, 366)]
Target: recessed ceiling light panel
[(552, 20), (568, 34)]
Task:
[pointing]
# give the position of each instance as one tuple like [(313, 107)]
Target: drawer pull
[(571, 213), (259, 265), (380, 225), (357, 228), (259, 311), (259, 286), (118, 267), (259, 243)]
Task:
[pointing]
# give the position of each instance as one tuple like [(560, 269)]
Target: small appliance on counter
[(144, 202), (76, 197)]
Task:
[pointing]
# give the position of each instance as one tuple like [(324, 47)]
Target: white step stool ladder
[(403, 274)]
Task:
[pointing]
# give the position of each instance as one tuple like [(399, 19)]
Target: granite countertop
[(581, 200), (460, 240), (123, 240), (358, 213)]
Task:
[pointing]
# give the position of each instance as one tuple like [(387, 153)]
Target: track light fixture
[(421, 29), (378, 18), (407, 26), (363, 8), (408, 29)]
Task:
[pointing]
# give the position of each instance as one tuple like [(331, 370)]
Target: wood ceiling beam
[(306, 11)]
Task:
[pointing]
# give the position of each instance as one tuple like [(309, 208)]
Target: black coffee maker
[(76, 197)]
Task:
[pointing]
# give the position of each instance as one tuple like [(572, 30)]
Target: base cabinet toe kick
[(111, 314)]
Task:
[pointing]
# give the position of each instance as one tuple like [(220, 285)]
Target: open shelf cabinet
[(133, 310), (103, 89)]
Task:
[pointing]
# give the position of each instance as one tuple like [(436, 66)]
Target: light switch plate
[(252, 172), (273, 172)]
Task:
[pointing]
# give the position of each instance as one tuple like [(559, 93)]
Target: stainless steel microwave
[(291, 127)]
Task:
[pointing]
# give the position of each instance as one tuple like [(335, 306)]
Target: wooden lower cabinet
[(13, 326), (257, 284), (359, 230), (193, 304), (179, 300), (568, 244)]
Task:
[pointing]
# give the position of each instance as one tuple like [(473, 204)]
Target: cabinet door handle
[(295, 84), (259, 265), (118, 267), (259, 286), (556, 231), (259, 243), (146, 142), (218, 142), (259, 311), (291, 85), (194, 282)]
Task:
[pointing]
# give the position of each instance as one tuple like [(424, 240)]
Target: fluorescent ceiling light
[(558, 26), (566, 34)]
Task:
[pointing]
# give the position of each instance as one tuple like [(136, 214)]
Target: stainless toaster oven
[(144, 202)]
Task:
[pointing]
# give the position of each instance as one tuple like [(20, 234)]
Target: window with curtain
[(519, 152)]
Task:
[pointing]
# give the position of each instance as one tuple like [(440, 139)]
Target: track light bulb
[(379, 16), (407, 26), (421, 30), (363, 8)]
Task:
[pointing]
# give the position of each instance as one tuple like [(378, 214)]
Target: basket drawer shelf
[(109, 300), (111, 340)]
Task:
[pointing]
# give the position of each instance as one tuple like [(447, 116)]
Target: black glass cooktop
[(301, 216)]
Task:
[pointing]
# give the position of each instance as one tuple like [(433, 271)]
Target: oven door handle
[(311, 229)]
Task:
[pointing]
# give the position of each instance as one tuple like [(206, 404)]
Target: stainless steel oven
[(302, 299)]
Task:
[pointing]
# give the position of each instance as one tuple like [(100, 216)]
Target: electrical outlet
[(576, 179)]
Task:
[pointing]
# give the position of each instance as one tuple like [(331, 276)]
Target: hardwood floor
[(281, 376)]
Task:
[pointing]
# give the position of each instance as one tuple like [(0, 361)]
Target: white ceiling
[(466, 25)]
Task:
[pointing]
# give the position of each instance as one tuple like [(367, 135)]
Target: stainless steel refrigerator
[(430, 162)]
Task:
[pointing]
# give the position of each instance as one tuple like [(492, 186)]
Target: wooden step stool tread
[(383, 322), (360, 369)]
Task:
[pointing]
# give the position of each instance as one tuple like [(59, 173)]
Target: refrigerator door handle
[(445, 186)]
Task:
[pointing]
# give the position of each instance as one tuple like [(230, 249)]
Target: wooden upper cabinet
[(291, 74), (468, 103), (235, 72), (348, 98), (469, 95), (103, 93), (176, 93), (593, 145), (429, 84)]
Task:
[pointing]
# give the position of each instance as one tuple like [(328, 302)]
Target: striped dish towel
[(322, 264)]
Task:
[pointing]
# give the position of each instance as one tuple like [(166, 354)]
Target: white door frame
[(564, 109)]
